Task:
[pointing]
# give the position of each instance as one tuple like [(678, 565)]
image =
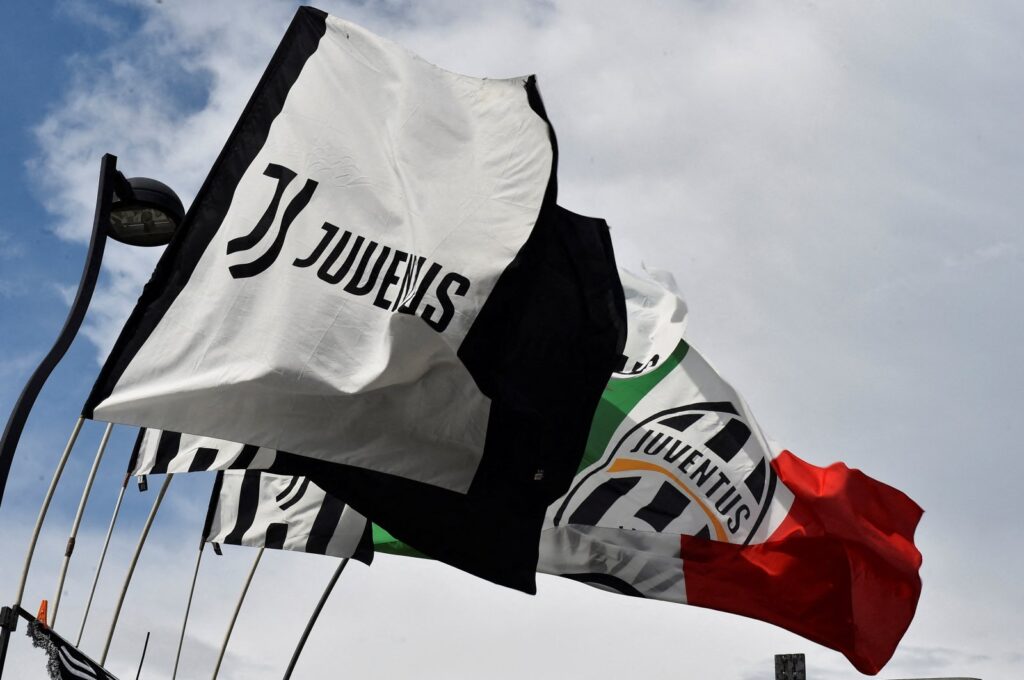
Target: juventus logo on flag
[(284, 177), (681, 498)]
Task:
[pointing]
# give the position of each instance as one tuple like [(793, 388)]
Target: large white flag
[(375, 279)]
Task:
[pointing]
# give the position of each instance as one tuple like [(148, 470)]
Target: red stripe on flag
[(841, 570)]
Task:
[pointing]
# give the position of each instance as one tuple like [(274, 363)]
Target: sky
[(836, 188)]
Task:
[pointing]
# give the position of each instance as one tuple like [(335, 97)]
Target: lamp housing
[(144, 212)]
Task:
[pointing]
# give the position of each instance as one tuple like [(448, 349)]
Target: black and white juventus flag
[(159, 452), (65, 661), (264, 510), (375, 279)]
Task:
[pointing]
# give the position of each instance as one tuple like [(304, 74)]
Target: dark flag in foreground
[(375, 279), (65, 661), (264, 510)]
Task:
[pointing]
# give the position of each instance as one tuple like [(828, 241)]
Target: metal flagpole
[(145, 646), (10, 614), (234, 617), (78, 522), (188, 608), (131, 566), (44, 509), (11, 618), (313, 618), (103, 556)]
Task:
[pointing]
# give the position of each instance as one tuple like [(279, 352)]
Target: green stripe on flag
[(386, 543), (618, 399)]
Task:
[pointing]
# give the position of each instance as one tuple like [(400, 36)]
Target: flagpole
[(103, 555), (131, 566), (45, 508), (78, 522), (145, 646), (8, 625), (188, 608), (234, 617), (313, 618)]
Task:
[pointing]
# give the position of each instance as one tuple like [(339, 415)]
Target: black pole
[(313, 618), (86, 286), (93, 259), (143, 659)]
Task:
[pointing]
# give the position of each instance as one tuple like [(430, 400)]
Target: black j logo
[(284, 176)]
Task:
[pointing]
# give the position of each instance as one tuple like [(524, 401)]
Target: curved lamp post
[(137, 211)]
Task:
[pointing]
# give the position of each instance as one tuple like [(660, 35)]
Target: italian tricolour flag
[(681, 498)]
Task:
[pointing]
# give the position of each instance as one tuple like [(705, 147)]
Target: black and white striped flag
[(65, 662), (159, 452), (264, 510)]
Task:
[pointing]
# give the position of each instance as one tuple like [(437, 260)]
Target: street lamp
[(137, 211), (145, 212)]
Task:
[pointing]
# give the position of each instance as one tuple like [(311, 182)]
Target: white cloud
[(835, 188), (66, 293)]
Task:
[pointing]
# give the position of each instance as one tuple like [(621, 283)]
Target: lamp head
[(145, 212)]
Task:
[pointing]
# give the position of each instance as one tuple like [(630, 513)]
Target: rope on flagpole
[(234, 617), (188, 608), (131, 566), (103, 556), (313, 618), (78, 522)]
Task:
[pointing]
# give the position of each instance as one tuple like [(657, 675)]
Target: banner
[(681, 498), (158, 452), (375, 279), (65, 661), (279, 512)]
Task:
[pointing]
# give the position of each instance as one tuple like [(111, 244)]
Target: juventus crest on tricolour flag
[(375, 282), (680, 497)]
